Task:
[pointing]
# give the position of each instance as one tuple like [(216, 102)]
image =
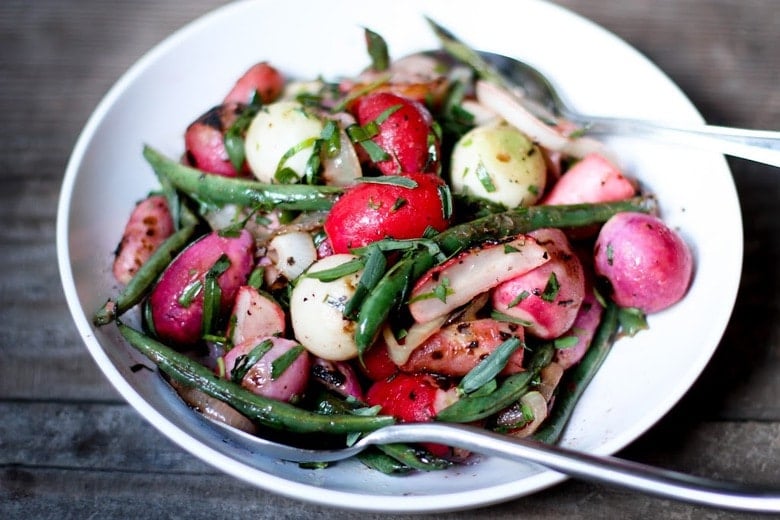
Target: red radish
[(457, 281), (548, 297), (254, 314), (376, 363), (371, 211), (261, 79), (205, 144), (405, 133), (176, 301), (457, 348), (591, 179), (647, 264), (149, 225), (583, 329), (260, 379), (412, 398)]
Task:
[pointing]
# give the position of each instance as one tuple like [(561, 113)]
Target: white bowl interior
[(191, 71)]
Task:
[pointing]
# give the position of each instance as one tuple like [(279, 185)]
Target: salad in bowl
[(330, 257), (337, 245)]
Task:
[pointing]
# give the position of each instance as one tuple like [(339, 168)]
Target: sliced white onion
[(344, 168), (415, 336), (292, 253), (506, 105)]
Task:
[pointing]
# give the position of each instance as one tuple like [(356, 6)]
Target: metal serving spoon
[(539, 95), (594, 468)]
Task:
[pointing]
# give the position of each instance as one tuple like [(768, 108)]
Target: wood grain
[(71, 448)]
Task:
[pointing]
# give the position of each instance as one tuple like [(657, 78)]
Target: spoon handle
[(604, 469), (756, 145)]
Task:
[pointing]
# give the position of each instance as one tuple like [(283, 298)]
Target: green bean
[(388, 294), (414, 457), (475, 407), (376, 460), (143, 279), (578, 377), (267, 412), (219, 190), (498, 226)]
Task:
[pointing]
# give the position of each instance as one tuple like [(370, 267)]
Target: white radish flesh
[(255, 314), (282, 134), (317, 311), (456, 282), (292, 253), (499, 163)]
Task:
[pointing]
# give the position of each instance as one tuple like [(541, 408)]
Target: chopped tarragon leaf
[(487, 369), (374, 151), (394, 180), (550, 291), (234, 135), (610, 253), (189, 293), (248, 360), (306, 143), (212, 294), (399, 203), (445, 195), (359, 92), (565, 342), (283, 362), (517, 299), (256, 277), (632, 320), (377, 50), (500, 316), (331, 139), (441, 292), (340, 271), (484, 178), (286, 176)]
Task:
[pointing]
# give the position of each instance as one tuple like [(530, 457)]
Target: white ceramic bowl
[(190, 71)]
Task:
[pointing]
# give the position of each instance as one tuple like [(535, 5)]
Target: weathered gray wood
[(71, 448)]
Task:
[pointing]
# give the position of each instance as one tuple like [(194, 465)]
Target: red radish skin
[(404, 135), (288, 386), (457, 348), (204, 141), (584, 328), (591, 179), (149, 225), (648, 265), (376, 363), (371, 211), (524, 298), (261, 79), (412, 398), (255, 314), (180, 325)]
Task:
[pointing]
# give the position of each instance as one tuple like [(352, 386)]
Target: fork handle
[(604, 469), (762, 146)]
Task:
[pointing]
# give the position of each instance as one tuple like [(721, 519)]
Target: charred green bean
[(219, 190), (267, 412), (137, 288)]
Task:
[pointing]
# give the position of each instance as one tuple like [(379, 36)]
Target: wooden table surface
[(70, 447)]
